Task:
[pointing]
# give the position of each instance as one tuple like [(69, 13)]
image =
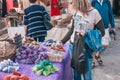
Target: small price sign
[(18, 40)]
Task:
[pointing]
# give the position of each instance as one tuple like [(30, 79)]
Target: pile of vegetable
[(30, 42), (49, 42), (8, 66), (29, 54), (16, 76), (44, 68), (57, 47)]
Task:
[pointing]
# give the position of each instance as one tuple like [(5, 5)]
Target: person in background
[(84, 18), (105, 10), (46, 4), (9, 5), (55, 8), (24, 4), (34, 21), (12, 18), (0, 8), (41, 2)]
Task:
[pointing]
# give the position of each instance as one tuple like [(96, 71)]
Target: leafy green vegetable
[(46, 73), (44, 67), (34, 69), (38, 67), (39, 72)]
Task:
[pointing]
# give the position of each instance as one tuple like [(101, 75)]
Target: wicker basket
[(55, 57), (9, 52)]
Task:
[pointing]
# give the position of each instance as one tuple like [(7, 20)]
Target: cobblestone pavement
[(111, 57)]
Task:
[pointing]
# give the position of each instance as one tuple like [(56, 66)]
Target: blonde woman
[(84, 18)]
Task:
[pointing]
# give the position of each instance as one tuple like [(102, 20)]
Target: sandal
[(99, 60), (93, 65)]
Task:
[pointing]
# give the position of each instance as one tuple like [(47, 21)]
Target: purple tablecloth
[(64, 73)]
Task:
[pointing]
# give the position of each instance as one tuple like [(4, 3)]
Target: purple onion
[(31, 47), (35, 52), (28, 51), (30, 55), (45, 56), (19, 57), (29, 61), (22, 61), (24, 56), (23, 52)]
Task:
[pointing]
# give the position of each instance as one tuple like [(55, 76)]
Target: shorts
[(106, 38)]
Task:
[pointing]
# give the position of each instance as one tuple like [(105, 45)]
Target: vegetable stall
[(40, 61)]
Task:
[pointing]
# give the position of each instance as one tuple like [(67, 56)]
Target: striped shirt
[(34, 19)]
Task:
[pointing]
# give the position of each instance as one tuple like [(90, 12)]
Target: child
[(34, 21)]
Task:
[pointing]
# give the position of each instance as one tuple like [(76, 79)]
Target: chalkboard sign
[(18, 41)]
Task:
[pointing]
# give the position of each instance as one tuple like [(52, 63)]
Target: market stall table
[(64, 73)]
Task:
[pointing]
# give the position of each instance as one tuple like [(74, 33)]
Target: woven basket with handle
[(7, 50)]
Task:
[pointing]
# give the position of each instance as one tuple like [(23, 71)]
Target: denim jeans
[(87, 75), (71, 49)]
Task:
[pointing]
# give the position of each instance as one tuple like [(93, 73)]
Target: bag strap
[(75, 14)]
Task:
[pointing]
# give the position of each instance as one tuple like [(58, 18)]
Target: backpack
[(94, 2)]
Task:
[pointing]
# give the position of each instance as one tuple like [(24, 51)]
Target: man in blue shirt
[(105, 10), (34, 21)]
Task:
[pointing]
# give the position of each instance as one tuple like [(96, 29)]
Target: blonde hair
[(82, 5)]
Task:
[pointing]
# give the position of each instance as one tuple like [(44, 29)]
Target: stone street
[(111, 57)]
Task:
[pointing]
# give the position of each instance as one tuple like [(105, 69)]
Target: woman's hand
[(81, 32), (60, 42), (113, 29)]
